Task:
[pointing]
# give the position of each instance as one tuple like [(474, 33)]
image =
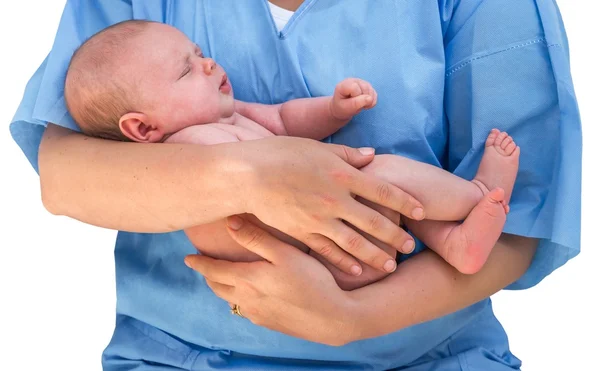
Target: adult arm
[(151, 189), (166, 187), (293, 293)]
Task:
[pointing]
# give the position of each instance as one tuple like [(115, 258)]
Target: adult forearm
[(425, 287), (135, 187)]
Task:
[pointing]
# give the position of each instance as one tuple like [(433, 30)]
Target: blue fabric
[(446, 73), (480, 345)]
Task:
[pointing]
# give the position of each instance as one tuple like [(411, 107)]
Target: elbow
[(48, 195), (338, 343), (522, 250), (52, 142), (48, 181)]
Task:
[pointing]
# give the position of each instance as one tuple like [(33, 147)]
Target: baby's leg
[(465, 246), (444, 195), (369, 275)]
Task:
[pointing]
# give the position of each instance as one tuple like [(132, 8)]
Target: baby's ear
[(137, 127)]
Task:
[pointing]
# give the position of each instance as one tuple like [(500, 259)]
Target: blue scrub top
[(446, 73)]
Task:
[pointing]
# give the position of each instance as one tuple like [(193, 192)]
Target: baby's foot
[(499, 165), (469, 244)]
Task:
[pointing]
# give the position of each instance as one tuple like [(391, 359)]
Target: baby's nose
[(209, 65)]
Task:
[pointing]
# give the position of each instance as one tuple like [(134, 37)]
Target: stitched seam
[(463, 362), (147, 335), (467, 62)]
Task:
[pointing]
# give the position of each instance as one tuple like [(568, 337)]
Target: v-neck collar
[(303, 8)]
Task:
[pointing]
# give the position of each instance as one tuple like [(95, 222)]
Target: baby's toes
[(506, 142), (492, 137), (499, 139), (510, 148)]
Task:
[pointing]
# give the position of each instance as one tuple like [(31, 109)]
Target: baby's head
[(141, 81)]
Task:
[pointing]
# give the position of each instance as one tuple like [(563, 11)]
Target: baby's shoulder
[(206, 134)]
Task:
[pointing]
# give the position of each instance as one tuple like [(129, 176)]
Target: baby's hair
[(95, 95)]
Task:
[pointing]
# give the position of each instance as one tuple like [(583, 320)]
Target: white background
[(57, 275)]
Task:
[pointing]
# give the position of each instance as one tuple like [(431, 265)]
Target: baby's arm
[(314, 118)]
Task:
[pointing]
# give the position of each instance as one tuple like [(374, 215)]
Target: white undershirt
[(280, 16)]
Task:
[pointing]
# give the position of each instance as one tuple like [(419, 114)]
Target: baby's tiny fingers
[(354, 90), (368, 90), (363, 101)]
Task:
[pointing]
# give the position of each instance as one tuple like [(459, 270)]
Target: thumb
[(357, 157)]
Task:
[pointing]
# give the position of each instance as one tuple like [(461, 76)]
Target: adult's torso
[(395, 45)]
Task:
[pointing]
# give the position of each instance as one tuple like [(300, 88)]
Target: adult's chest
[(395, 45)]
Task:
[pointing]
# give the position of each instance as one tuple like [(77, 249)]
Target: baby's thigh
[(213, 240)]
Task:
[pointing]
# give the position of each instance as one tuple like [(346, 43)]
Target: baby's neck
[(228, 120)]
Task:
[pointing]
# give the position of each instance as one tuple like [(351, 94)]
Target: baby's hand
[(352, 96)]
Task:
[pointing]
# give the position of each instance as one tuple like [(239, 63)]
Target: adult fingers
[(258, 240), (357, 157), (333, 254), (375, 224), (271, 249), (388, 195), (361, 248), (225, 292), (221, 271)]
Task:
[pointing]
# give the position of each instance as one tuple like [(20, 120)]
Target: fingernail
[(367, 151), (389, 266), (418, 213), (408, 247), (235, 222), (356, 270), (186, 261)]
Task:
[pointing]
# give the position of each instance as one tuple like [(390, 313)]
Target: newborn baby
[(147, 82)]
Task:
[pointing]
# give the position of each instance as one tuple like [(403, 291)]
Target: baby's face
[(180, 85)]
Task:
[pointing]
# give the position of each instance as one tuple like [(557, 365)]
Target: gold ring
[(236, 310)]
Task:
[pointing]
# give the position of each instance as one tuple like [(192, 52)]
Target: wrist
[(235, 175), (334, 111), (354, 316)]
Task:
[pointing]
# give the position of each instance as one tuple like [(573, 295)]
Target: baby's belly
[(213, 240)]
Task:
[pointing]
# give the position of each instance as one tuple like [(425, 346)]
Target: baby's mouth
[(225, 88)]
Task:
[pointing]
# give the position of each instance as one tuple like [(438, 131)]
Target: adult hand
[(289, 292), (293, 294), (313, 196)]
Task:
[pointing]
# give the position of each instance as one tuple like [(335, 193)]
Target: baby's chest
[(399, 52)]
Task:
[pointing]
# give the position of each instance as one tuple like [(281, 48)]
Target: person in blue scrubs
[(446, 72)]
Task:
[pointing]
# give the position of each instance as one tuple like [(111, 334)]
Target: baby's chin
[(227, 106)]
